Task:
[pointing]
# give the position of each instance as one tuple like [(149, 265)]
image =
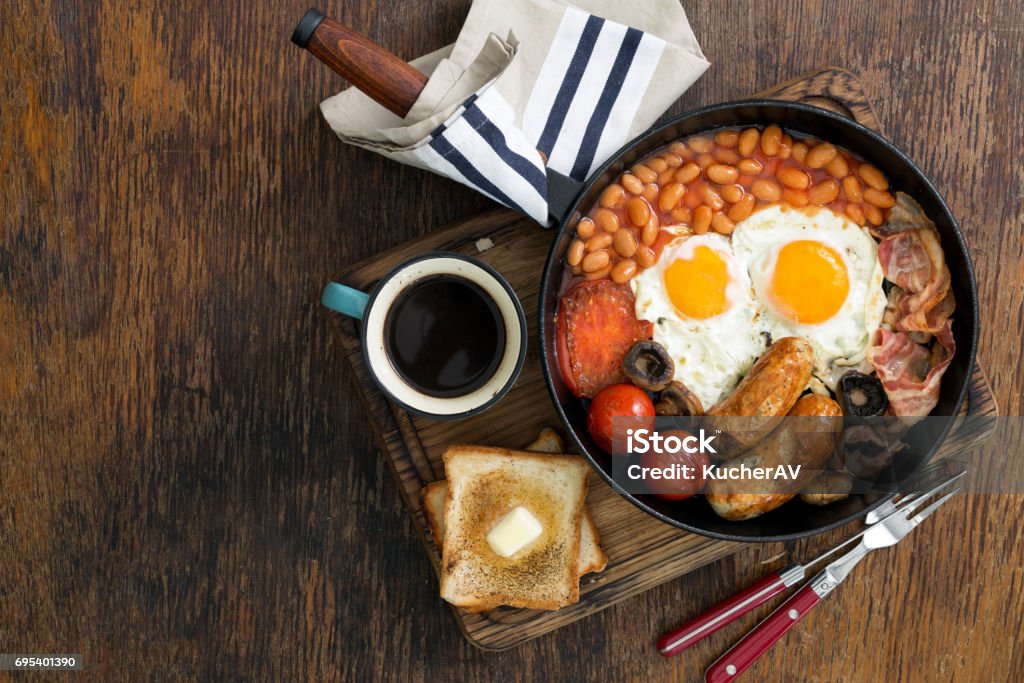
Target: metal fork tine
[(902, 500), (920, 516)]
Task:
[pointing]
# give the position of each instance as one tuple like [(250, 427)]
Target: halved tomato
[(596, 325)]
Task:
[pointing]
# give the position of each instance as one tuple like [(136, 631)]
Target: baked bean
[(785, 147), (741, 209), (824, 192), (727, 138), (722, 224), (873, 214), (726, 156), (665, 177), (612, 196), (645, 257), (748, 141), (585, 228), (732, 193), (799, 152), (625, 243), (656, 164), (794, 178), (771, 140), (882, 200), (872, 177), (722, 174), (623, 271), (670, 196), (750, 167), (766, 190), (632, 184), (838, 168), (606, 220), (700, 144), (702, 219), (601, 240), (681, 214), (638, 211), (705, 160), (797, 198), (687, 173), (855, 213), (575, 253), (673, 160), (595, 260), (646, 174), (819, 155), (651, 230), (712, 198), (598, 274), (680, 150), (651, 191), (852, 189)]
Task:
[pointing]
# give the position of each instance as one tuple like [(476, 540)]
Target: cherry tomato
[(618, 401), (675, 489)]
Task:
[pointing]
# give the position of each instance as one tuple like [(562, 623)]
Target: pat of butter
[(515, 531)]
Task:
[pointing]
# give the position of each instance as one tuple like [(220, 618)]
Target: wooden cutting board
[(642, 551)]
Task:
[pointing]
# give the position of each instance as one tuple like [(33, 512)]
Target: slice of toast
[(592, 555), (484, 484)]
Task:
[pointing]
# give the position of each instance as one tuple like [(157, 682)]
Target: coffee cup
[(443, 334)]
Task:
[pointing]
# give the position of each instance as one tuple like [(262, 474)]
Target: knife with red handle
[(734, 607), (727, 611), (760, 640)]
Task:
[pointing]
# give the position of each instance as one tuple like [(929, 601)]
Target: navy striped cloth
[(577, 114), (563, 92)]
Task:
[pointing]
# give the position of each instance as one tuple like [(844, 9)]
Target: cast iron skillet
[(795, 519), (396, 85)]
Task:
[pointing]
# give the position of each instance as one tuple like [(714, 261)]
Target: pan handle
[(380, 74), (563, 192)]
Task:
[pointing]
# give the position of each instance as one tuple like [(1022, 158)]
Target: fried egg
[(815, 274), (700, 299)]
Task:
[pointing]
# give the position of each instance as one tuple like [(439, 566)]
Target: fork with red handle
[(772, 629)]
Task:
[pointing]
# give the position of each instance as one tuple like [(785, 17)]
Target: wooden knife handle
[(365, 64)]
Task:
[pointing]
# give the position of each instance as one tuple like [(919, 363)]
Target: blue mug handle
[(344, 300)]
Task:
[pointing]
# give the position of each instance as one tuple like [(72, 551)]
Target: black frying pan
[(794, 519), (396, 85)]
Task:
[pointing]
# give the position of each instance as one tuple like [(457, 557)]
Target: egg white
[(713, 354), (842, 340)]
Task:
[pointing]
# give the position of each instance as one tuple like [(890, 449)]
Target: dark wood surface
[(189, 488), (642, 552)]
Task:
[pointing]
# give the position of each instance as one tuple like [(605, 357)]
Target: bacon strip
[(914, 261), (911, 373)]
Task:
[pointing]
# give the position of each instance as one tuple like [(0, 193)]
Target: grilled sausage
[(764, 396), (805, 442), (829, 487)]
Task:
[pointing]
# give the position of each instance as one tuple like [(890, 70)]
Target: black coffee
[(444, 336)]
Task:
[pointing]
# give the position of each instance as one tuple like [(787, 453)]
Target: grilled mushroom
[(677, 400), (648, 365), (862, 395)]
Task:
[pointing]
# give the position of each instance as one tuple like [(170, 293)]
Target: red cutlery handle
[(767, 633), (725, 612)]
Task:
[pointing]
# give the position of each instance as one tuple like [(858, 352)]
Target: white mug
[(373, 311)]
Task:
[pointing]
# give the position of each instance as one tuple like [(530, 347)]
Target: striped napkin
[(529, 88)]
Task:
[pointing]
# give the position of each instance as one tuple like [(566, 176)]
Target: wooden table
[(187, 488)]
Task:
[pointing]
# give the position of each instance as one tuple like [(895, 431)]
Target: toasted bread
[(484, 484), (592, 556)]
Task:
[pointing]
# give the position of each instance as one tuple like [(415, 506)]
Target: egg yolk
[(809, 283), (696, 285)]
